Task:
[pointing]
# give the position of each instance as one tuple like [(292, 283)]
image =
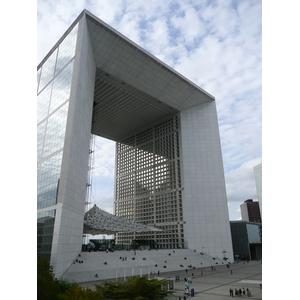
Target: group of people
[(189, 279), (78, 260), (239, 292)]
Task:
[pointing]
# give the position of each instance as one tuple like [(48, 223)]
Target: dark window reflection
[(45, 226)]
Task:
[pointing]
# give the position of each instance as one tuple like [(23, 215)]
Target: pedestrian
[(236, 292), (187, 286), (243, 291), (231, 292)]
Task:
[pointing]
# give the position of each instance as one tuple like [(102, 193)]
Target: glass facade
[(45, 227), (246, 240), (254, 233), (54, 79), (148, 184)]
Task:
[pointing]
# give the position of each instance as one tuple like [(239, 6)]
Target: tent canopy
[(98, 221)]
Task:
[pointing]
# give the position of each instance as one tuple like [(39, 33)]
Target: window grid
[(45, 227), (54, 79), (148, 184), (48, 181)]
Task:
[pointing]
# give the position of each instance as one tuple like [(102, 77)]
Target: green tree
[(136, 288), (78, 293), (47, 287)]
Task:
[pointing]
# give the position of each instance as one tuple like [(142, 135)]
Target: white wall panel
[(207, 227), (72, 192)]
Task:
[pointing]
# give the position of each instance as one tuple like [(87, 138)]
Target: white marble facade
[(152, 96), (205, 209)]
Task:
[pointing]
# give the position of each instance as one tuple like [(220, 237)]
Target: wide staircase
[(100, 265)]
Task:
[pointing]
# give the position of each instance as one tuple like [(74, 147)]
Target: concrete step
[(111, 265)]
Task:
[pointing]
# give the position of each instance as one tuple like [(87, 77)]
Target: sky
[(215, 44)]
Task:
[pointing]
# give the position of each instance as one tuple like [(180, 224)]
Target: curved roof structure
[(98, 221)]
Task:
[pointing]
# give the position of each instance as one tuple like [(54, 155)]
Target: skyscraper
[(250, 211), (258, 182), (169, 169)]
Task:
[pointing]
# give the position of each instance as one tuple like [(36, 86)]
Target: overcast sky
[(215, 44)]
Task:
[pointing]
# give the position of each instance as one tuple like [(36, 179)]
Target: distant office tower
[(258, 182), (250, 211), (169, 169)]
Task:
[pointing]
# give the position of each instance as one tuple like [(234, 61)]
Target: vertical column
[(207, 227), (67, 236)]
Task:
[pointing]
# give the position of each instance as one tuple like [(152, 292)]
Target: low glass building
[(246, 240)]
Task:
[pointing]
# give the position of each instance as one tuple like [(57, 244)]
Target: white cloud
[(227, 64), (215, 44), (54, 18), (104, 157), (240, 183), (105, 203), (188, 22)]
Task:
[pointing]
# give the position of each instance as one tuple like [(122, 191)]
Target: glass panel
[(43, 101), (47, 70), (48, 181), (40, 139), (45, 227), (66, 50), (253, 233), (38, 78), (55, 132), (61, 87)]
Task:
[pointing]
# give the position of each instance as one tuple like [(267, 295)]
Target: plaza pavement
[(212, 285), (215, 285)]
